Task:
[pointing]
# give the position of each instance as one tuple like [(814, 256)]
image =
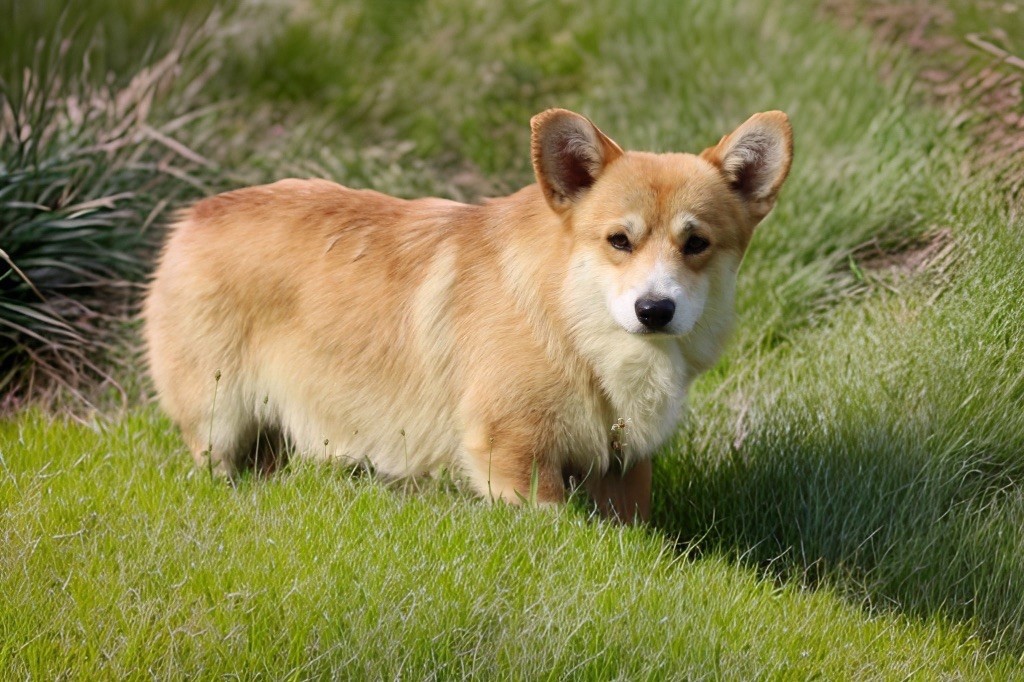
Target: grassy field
[(844, 501)]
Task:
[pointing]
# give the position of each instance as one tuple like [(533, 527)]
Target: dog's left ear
[(755, 159), (569, 154)]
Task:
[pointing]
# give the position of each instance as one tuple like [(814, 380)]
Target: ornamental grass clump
[(87, 167)]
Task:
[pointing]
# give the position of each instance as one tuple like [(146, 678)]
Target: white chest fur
[(643, 381)]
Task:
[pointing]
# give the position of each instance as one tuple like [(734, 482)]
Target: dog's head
[(659, 236)]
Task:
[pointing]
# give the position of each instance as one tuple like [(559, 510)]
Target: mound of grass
[(880, 453), (120, 558)]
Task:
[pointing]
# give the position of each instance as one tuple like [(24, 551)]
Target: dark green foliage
[(128, 33), (84, 174)]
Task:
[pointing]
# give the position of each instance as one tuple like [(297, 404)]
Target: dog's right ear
[(755, 159), (569, 153)]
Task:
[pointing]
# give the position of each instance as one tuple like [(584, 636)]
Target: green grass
[(121, 559), (845, 500)]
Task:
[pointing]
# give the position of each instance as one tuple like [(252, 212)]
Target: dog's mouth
[(657, 334), (647, 332)]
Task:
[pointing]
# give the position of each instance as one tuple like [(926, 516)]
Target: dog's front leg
[(623, 495), (502, 469)]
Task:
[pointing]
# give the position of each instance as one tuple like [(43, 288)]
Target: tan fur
[(415, 334)]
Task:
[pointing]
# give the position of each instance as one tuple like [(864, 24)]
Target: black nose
[(655, 313)]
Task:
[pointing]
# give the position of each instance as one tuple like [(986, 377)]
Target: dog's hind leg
[(221, 427)]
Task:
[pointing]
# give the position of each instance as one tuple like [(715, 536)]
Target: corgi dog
[(522, 341)]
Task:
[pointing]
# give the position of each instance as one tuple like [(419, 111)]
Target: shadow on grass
[(889, 523)]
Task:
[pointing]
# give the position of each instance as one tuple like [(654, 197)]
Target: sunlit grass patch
[(141, 563)]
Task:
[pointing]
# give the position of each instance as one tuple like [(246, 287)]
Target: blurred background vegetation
[(117, 112)]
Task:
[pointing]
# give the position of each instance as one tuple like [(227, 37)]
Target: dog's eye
[(695, 245), (620, 242)]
